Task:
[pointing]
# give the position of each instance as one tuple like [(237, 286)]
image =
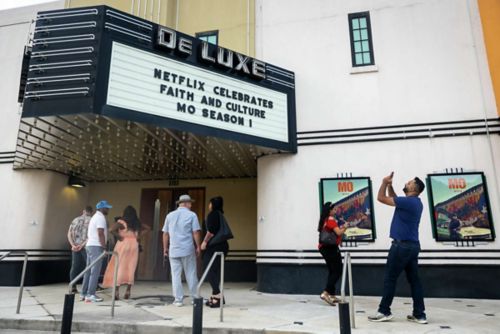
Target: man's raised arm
[(382, 196)]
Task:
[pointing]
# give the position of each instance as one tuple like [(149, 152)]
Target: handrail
[(23, 275), (4, 256), (348, 269), (69, 299), (73, 282), (221, 281)]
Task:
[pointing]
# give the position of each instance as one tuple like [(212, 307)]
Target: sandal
[(329, 299), (215, 302), (209, 301)]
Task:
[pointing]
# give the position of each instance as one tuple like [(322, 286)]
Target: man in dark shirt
[(453, 228), (405, 247)]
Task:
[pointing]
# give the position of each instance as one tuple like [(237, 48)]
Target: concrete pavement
[(247, 311)]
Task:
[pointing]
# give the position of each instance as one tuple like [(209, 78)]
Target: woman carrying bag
[(217, 234), (330, 238)]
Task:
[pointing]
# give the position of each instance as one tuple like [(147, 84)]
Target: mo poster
[(354, 202), (460, 207)]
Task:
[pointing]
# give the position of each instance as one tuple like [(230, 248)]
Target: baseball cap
[(103, 204)]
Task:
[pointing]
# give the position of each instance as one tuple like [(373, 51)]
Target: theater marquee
[(117, 65), (156, 85)]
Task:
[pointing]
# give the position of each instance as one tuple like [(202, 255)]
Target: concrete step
[(23, 331), (18, 326)]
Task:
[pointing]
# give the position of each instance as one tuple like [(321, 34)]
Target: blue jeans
[(78, 260), (403, 256), (91, 277)]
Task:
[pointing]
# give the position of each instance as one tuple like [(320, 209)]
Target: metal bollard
[(197, 315), (344, 318), (67, 316)]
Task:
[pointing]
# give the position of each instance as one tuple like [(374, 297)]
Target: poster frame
[(372, 208), (430, 196)]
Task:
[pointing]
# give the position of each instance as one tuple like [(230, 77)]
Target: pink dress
[(128, 252)]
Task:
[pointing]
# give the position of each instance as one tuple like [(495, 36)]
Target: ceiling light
[(75, 182)]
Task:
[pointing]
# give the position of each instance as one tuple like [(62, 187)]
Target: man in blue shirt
[(181, 243), (405, 247)]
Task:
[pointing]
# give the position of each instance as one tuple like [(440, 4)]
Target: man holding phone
[(403, 254)]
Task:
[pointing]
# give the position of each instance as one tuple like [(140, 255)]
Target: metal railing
[(198, 301), (346, 309), (23, 275), (69, 299)]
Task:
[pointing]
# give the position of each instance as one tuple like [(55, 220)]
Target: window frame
[(358, 15), (209, 33)]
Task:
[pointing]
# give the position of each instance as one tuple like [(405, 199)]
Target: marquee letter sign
[(111, 63)]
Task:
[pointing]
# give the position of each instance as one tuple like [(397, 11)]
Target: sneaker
[(82, 298), (421, 320), (177, 303), (380, 317), (93, 299)]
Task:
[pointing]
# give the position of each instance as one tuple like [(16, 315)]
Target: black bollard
[(67, 316), (197, 315), (344, 318)]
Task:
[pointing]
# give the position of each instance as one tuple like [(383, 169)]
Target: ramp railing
[(69, 298), (198, 301), (346, 308), (23, 275)]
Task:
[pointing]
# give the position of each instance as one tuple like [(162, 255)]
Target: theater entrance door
[(155, 205)]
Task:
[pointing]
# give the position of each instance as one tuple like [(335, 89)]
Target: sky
[(441, 192), (6, 4), (330, 189)]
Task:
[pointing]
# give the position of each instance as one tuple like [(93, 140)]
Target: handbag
[(223, 234), (327, 238)]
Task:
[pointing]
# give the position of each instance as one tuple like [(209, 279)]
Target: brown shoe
[(335, 299), (330, 300)]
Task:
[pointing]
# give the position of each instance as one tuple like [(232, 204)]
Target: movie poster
[(352, 198), (460, 207)]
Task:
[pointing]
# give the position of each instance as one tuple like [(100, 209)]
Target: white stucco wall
[(36, 205), (289, 204), (429, 55), (430, 67), (14, 34)]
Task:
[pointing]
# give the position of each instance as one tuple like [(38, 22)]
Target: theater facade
[(273, 105)]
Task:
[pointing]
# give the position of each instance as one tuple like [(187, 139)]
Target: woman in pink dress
[(127, 229)]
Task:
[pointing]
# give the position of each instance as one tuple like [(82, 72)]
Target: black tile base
[(57, 271), (447, 281), (37, 272)]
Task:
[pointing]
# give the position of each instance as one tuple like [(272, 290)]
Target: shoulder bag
[(224, 232), (327, 238)]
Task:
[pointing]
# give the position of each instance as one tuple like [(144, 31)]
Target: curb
[(125, 328)]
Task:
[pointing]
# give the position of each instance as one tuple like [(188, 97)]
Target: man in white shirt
[(96, 244), (180, 234)]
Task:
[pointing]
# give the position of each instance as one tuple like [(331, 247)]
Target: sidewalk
[(247, 311)]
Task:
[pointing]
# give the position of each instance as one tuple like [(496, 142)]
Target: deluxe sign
[(149, 83), (168, 38)]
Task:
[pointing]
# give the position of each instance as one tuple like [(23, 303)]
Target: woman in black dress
[(212, 226), (331, 253)]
